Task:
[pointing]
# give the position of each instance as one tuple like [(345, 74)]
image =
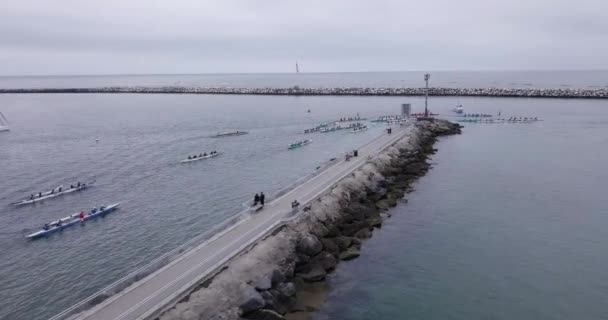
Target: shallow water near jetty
[(510, 223)]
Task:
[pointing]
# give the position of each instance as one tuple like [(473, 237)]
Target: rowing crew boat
[(201, 158), (299, 144), (70, 221), (54, 193), (359, 129), (230, 134)]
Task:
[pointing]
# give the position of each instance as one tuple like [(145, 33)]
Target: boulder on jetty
[(271, 278)]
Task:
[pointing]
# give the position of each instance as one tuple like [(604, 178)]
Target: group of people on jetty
[(78, 216), (259, 198), (202, 155), (58, 190)]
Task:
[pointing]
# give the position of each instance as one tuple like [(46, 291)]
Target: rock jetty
[(272, 279), (598, 93)]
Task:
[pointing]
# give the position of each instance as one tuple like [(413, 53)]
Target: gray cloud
[(189, 36)]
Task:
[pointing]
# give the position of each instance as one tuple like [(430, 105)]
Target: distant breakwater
[(600, 93)]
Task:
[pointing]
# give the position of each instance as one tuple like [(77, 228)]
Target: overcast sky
[(199, 36)]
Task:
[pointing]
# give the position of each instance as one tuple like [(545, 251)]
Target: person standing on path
[(256, 199), (262, 197)]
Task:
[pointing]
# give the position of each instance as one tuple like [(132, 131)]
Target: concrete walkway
[(165, 286)]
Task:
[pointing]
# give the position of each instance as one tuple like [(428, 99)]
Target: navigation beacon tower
[(427, 76)]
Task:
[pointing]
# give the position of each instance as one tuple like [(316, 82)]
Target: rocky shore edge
[(596, 93), (270, 281)]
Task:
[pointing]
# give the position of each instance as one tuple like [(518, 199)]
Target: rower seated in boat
[(189, 157), (60, 188), (102, 208), (32, 197), (203, 155), (46, 226), (93, 210), (71, 186), (39, 194), (81, 215)]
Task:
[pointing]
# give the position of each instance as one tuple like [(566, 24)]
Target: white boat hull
[(55, 194)]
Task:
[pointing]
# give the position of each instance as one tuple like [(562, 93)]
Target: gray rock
[(386, 203), (287, 289), (269, 300), (309, 245), (264, 314), (263, 283), (332, 231), (319, 230), (253, 301), (352, 228), (350, 254), (375, 222), (343, 242), (317, 273), (330, 246), (363, 234), (326, 260), (396, 194), (357, 215), (276, 277)]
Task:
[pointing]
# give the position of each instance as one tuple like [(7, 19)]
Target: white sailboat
[(3, 123)]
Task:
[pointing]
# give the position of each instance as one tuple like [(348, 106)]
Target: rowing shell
[(55, 194), (201, 158), (297, 145), (70, 221)]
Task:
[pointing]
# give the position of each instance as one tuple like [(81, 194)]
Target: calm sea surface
[(509, 224), (409, 79)]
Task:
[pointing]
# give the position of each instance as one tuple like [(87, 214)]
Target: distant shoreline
[(295, 91)]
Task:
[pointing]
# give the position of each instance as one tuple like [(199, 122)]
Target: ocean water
[(409, 79), (509, 224), (546, 209), (142, 138)]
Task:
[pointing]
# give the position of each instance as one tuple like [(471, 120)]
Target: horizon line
[(294, 73)]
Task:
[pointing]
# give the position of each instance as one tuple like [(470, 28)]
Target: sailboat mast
[(3, 121)]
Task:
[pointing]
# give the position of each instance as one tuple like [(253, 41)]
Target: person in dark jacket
[(262, 197), (256, 199)]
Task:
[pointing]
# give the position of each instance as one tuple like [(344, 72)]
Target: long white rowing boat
[(298, 144), (359, 129), (230, 134), (201, 158), (54, 193), (71, 220)]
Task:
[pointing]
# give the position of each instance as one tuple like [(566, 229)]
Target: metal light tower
[(426, 95)]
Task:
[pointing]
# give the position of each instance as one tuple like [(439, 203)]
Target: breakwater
[(599, 93), (272, 279)]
